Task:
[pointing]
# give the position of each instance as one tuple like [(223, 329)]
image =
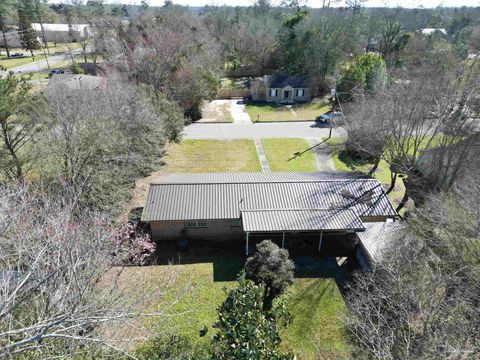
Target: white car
[(329, 116)]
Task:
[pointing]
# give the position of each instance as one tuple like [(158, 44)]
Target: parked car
[(56, 71), (329, 116), (16, 55)]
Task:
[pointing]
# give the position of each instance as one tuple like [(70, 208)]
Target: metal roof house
[(236, 206)]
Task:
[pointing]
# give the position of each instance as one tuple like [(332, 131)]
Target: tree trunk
[(4, 37), (43, 35), (375, 166), (13, 154), (405, 198), (392, 183)]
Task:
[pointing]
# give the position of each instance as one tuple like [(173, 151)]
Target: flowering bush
[(133, 247)]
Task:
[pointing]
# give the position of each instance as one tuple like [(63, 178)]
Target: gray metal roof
[(260, 177), (378, 236), (266, 220), (179, 199)]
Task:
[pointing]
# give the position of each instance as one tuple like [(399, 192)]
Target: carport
[(314, 222)]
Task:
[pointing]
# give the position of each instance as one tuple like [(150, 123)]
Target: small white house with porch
[(280, 88)]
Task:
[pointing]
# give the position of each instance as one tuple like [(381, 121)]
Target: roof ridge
[(295, 209), (265, 182)]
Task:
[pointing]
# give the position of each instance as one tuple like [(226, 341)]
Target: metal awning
[(281, 220)]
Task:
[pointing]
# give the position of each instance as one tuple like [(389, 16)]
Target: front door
[(286, 95)]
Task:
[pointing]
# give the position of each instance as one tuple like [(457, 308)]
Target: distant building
[(78, 81), (59, 33), (280, 88), (434, 31)]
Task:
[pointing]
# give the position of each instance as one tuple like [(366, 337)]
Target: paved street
[(303, 129), (40, 65)]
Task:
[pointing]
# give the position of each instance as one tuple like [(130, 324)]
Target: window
[(236, 223), (300, 92), (195, 224), (273, 92)]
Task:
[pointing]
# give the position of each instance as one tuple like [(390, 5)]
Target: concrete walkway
[(323, 156), (300, 129), (262, 156), (239, 114)]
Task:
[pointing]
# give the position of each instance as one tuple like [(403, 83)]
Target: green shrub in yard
[(271, 267), (246, 331), (76, 69)]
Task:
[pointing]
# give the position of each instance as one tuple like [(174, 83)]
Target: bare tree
[(421, 301), (59, 294), (103, 136), (426, 109), (16, 129)]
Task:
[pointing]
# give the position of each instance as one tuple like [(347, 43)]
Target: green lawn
[(315, 304), (316, 332), (264, 112), (343, 162), (11, 63), (286, 155), (212, 156)]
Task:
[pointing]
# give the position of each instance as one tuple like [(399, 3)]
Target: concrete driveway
[(301, 129)]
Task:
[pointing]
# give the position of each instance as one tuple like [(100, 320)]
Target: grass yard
[(316, 332), (212, 156), (266, 112), (202, 156), (343, 162), (315, 303), (281, 155), (11, 63)]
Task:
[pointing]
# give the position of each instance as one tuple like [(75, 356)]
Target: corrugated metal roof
[(377, 237), (183, 200), (266, 220), (224, 178)]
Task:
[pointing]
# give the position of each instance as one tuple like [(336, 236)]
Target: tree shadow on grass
[(226, 268), (350, 161)]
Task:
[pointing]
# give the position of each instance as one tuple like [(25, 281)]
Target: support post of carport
[(320, 241), (283, 240), (246, 246)]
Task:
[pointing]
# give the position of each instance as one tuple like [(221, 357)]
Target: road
[(40, 65), (300, 129)]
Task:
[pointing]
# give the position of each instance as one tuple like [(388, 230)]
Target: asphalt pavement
[(300, 129)]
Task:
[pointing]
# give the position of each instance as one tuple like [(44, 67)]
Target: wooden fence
[(232, 93)]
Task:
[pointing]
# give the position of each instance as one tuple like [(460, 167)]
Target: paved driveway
[(304, 129)]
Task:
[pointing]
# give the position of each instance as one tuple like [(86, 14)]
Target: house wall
[(215, 230), (306, 95), (279, 97), (257, 90)]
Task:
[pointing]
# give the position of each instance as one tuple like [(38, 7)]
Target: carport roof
[(377, 238), (273, 220)]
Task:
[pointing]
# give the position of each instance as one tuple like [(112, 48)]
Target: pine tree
[(28, 37)]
